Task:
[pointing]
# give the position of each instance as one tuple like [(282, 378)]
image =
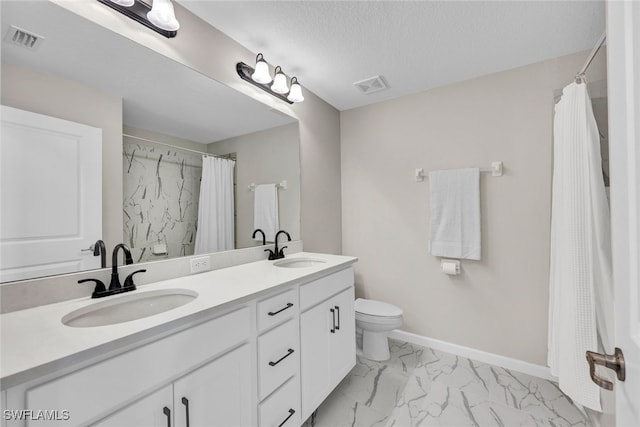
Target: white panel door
[(623, 75), (51, 195), (218, 394)]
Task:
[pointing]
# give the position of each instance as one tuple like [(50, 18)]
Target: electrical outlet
[(199, 265)]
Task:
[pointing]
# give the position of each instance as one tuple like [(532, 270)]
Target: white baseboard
[(472, 353)]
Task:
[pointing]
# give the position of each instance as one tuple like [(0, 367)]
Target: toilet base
[(375, 345)]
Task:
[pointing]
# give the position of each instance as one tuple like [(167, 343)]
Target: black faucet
[(100, 249), (277, 254), (264, 238), (114, 286), (115, 280)]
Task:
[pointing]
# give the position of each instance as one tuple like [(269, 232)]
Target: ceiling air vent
[(371, 85), (20, 37)]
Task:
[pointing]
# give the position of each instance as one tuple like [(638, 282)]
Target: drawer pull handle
[(273, 313), (333, 314), (291, 412), (338, 311), (185, 402), (167, 412), (289, 353)]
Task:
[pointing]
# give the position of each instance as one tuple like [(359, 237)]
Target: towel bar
[(495, 170), (282, 185)]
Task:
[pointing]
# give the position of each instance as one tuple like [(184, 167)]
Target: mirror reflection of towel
[(455, 213), (265, 211)]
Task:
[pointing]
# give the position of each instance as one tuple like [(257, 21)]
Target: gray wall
[(498, 304), (34, 91), (269, 156), (209, 51)]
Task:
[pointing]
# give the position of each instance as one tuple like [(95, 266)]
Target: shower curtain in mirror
[(581, 289), (216, 207)]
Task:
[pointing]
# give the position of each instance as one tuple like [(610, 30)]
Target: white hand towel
[(455, 213), (265, 211)]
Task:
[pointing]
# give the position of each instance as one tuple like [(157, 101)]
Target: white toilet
[(374, 321)]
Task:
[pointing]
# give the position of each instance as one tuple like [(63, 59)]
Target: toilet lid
[(376, 308)]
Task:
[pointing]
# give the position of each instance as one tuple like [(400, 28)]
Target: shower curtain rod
[(173, 146), (592, 55)]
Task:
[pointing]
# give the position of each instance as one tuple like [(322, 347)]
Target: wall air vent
[(371, 85), (18, 36)]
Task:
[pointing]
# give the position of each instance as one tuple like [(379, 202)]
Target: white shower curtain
[(216, 207), (581, 289)]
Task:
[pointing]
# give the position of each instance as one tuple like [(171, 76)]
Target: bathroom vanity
[(262, 344)]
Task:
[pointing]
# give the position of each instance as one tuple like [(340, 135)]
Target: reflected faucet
[(264, 238), (115, 280), (99, 248)]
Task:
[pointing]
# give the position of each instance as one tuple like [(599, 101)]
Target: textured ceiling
[(414, 45)]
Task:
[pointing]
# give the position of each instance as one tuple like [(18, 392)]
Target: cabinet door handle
[(289, 353), (167, 412), (185, 402), (273, 313), (333, 314), (291, 412), (338, 311)]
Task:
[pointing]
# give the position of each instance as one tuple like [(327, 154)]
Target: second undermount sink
[(299, 262), (130, 307)]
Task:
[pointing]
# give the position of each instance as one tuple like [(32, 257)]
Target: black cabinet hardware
[(333, 314), (289, 353), (291, 412), (167, 412), (185, 402), (273, 313), (338, 311)]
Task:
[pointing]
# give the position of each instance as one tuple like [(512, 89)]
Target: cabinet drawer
[(319, 290), (278, 352), (276, 309), (282, 408), (92, 392)]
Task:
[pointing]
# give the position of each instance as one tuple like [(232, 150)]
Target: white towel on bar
[(455, 213), (265, 211)]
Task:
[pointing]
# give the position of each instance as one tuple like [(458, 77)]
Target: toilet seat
[(373, 308)]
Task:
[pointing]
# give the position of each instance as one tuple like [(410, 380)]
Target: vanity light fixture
[(261, 78), (160, 17)]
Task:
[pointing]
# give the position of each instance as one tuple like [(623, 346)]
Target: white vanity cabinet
[(214, 395), (265, 361), (327, 336)]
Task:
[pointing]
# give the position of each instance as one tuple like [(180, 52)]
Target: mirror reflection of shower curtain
[(580, 280), (216, 207)]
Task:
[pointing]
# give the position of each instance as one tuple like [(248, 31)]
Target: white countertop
[(35, 342)]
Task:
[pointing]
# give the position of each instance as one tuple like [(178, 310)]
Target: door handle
[(167, 412), (273, 313), (185, 402), (338, 312), (333, 314), (613, 361), (291, 412), (289, 353)]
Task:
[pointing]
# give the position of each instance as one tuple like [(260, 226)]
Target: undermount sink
[(299, 262), (130, 307)]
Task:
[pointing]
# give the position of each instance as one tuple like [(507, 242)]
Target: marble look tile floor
[(423, 387)]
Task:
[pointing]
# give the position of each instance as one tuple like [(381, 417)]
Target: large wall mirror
[(103, 139)]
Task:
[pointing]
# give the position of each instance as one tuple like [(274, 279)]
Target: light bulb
[(295, 93), (261, 73), (279, 82), (163, 16), (125, 3)]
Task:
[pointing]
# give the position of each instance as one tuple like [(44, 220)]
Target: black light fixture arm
[(138, 12), (245, 71)]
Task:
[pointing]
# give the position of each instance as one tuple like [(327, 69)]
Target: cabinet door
[(217, 394), (342, 356), (146, 412), (315, 336)]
